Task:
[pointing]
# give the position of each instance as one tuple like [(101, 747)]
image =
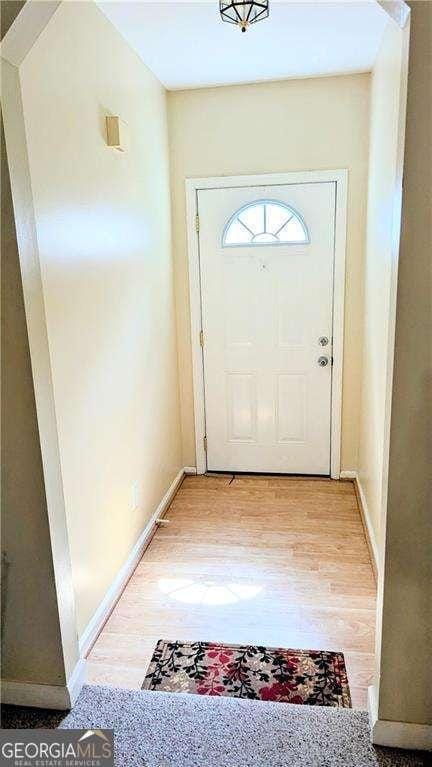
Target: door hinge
[(197, 223), (205, 443), (201, 337)]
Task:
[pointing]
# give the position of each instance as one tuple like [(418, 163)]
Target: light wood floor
[(259, 560)]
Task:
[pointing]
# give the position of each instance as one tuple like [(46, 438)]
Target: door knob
[(323, 361)]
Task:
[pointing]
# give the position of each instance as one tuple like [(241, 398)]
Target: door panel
[(264, 307), (241, 406), (290, 421)]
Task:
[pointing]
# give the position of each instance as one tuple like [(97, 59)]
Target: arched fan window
[(265, 222)]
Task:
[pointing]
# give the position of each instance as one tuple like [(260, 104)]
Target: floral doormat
[(310, 677)]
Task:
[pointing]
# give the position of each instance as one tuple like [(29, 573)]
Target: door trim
[(193, 186)]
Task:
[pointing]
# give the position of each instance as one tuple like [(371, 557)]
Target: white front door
[(267, 261)]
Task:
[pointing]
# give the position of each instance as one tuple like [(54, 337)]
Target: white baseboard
[(190, 470), (368, 522), (348, 475), (364, 511), (60, 697), (38, 695), (76, 680), (94, 626), (405, 735)]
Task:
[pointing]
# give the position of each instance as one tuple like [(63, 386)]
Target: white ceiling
[(186, 45)]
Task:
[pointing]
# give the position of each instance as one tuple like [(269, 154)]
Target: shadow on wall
[(29, 599)]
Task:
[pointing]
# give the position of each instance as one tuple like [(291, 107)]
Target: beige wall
[(308, 124), (103, 226), (379, 272), (405, 679)]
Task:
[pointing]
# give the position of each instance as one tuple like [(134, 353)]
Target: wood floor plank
[(255, 559)]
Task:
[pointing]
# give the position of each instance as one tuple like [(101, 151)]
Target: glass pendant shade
[(243, 14)]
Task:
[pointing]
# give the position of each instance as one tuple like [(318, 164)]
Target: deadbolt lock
[(323, 361), (323, 341)]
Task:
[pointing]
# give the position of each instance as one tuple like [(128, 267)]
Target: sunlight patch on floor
[(207, 592)]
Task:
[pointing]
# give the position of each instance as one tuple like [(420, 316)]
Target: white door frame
[(193, 186)]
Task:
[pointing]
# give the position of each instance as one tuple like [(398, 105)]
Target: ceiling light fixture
[(243, 14)]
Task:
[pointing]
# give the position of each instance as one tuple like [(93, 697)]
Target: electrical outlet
[(135, 495)]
